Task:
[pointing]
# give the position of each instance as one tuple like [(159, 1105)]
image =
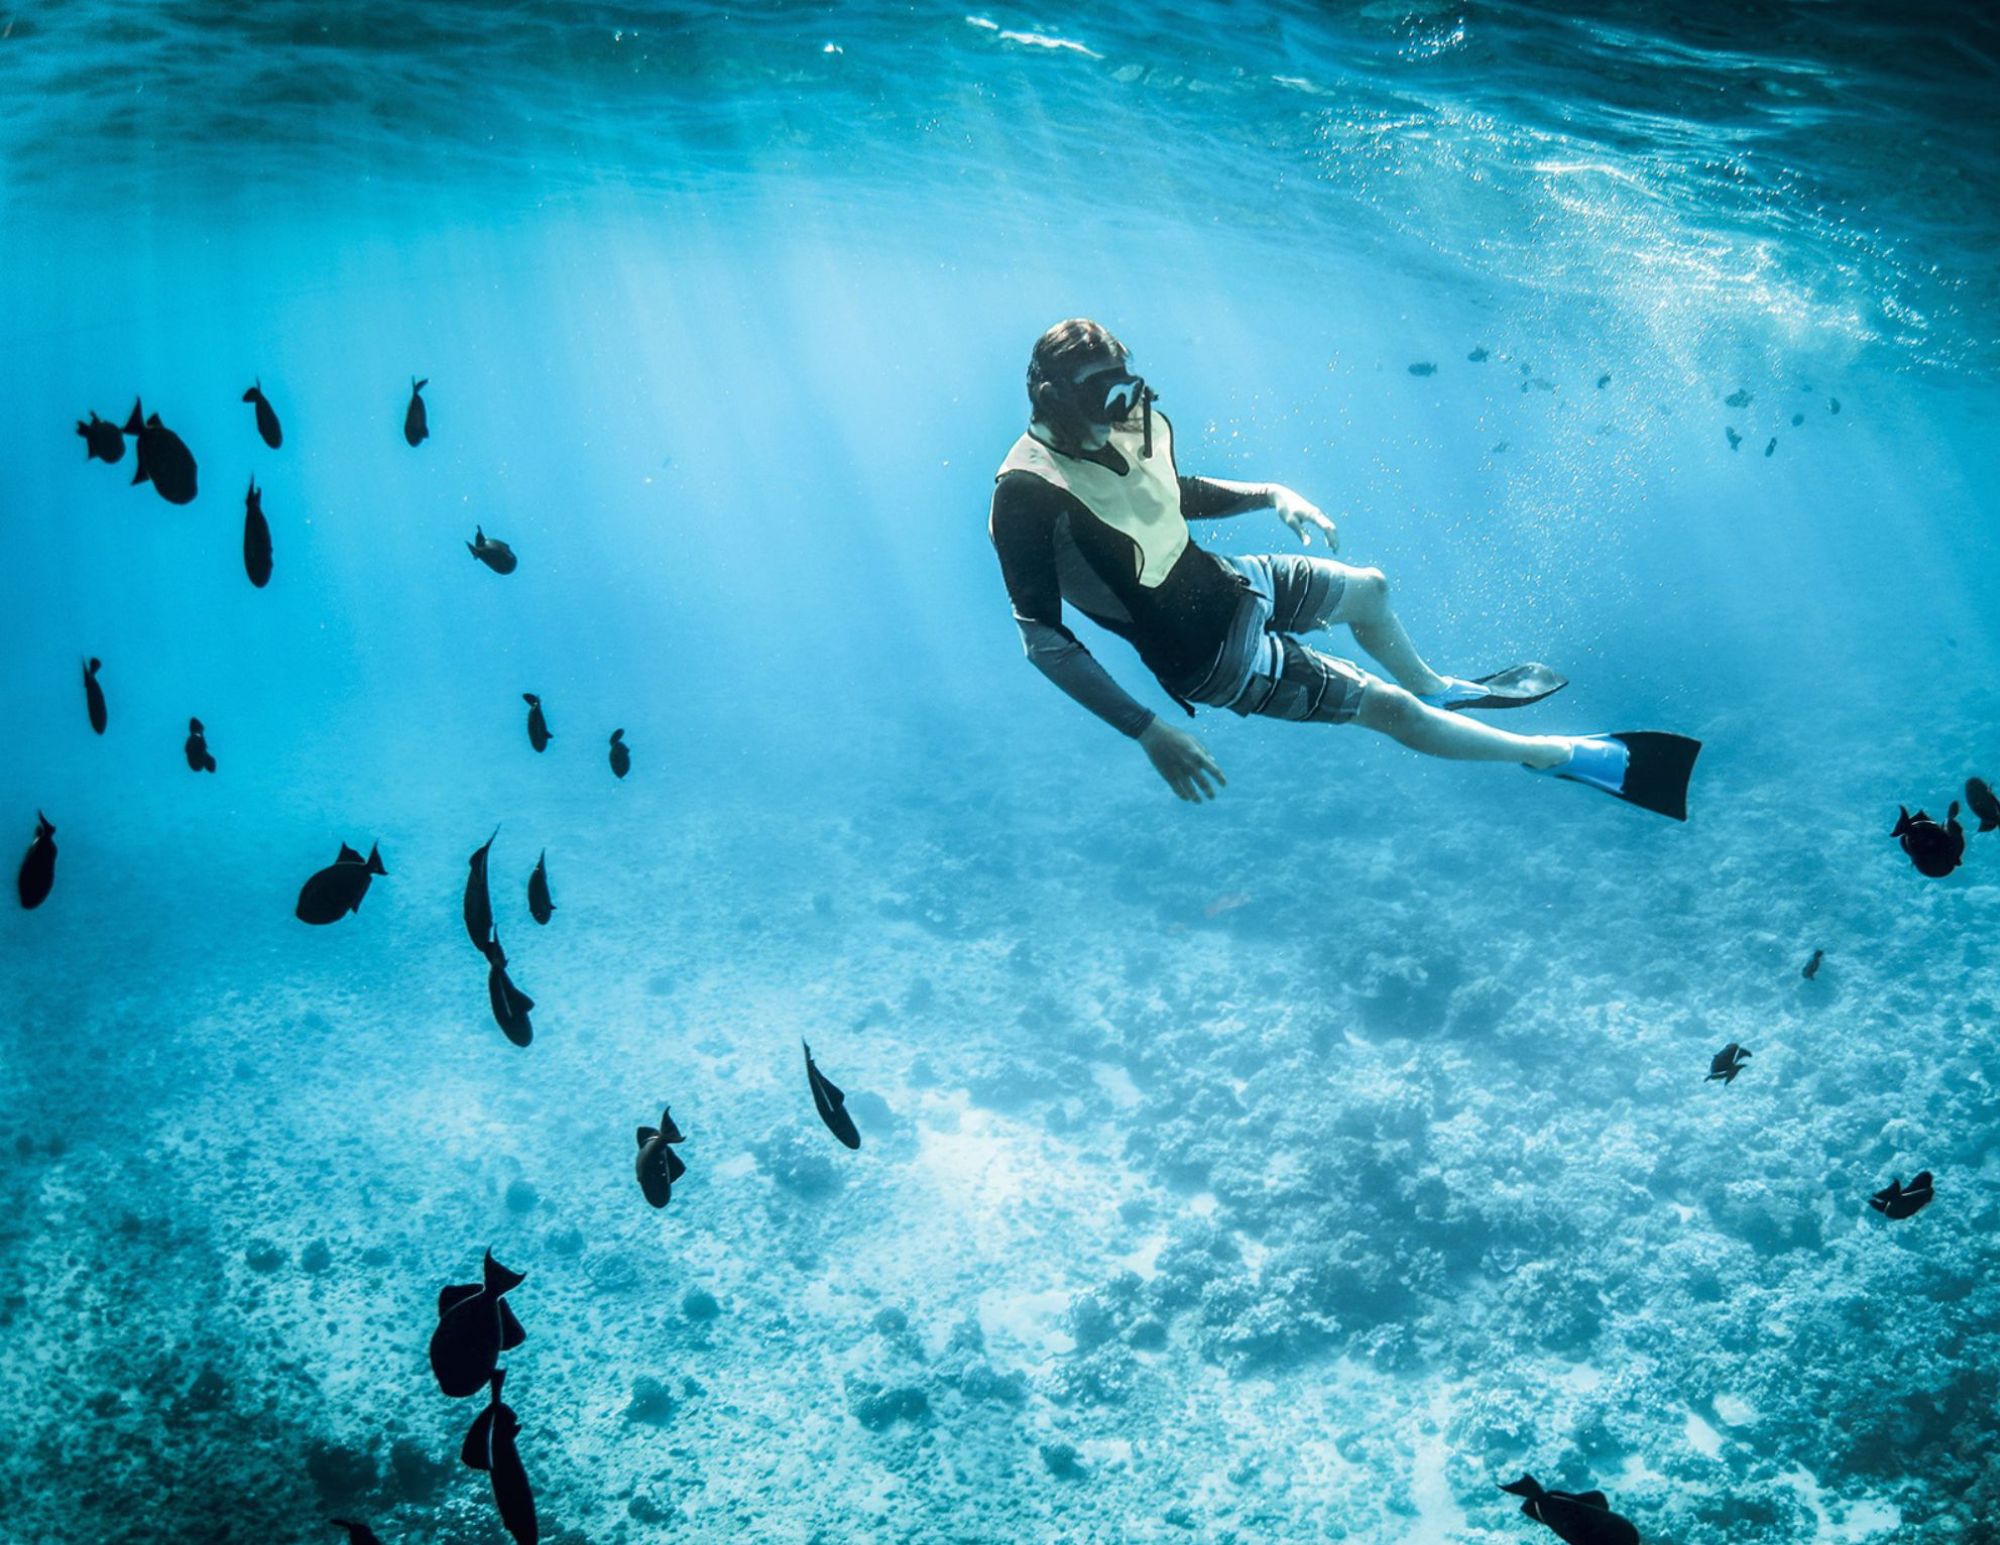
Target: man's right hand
[(1182, 760)]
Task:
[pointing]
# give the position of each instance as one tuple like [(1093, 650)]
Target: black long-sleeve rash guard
[(1053, 549)]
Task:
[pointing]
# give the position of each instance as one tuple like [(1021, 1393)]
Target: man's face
[(1088, 384)]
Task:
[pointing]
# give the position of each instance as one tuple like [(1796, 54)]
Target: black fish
[(1576, 1518), (511, 1006), (337, 889), (1740, 398), (357, 1534), (1425, 368), (267, 418), (1771, 446), (1897, 1200), (489, 1446), (1735, 439), (474, 1327), (621, 754), (1479, 355), (38, 866), (93, 696), (256, 538), (1604, 380), (659, 1166), (1935, 850), (478, 900), (101, 439), (540, 906), (1978, 794), (416, 421), (198, 757), (1833, 404), (1812, 966), (830, 1103), (496, 555), (164, 460), (538, 724), (1727, 1063), (1798, 419)]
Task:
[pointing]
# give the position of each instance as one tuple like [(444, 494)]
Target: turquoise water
[(1299, 1166)]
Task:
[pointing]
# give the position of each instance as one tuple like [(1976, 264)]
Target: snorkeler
[(1089, 509)]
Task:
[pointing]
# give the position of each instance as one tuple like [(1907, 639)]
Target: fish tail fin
[(1902, 820), (417, 386), (500, 1280)]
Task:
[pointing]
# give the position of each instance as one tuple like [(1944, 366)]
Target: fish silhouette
[(1480, 355), (478, 899), (163, 459), (337, 890), (1727, 1063), (198, 757), (490, 1446), (830, 1103), (1735, 439), (1979, 797), (1812, 966), (37, 876), (538, 723), (658, 1165), (267, 417), (1740, 398), (621, 754), (511, 1006), (93, 695), (1897, 1200), (102, 440), (1424, 368), (357, 1534), (1935, 850), (475, 1325), (540, 906), (256, 538), (1576, 1518), (495, 554), (416, 420)]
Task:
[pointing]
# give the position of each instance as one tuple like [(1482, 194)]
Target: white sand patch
[(1735, 1411), (1117, 1085), (1843, 1523), (1033, 1321), (1702, 1438)]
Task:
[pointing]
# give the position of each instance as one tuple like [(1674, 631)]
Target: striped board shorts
[(1260, 668)]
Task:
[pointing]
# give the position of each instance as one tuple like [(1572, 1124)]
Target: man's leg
[(1391, 711), (1363, 604)]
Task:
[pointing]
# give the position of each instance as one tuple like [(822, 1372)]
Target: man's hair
[(1065, 346)]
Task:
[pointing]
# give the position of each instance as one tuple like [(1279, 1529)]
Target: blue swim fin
[(1647, 768)]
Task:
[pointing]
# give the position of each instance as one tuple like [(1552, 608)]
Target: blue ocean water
[(1295, 1167)]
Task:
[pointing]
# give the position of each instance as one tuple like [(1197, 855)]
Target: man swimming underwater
[(1089, 509)]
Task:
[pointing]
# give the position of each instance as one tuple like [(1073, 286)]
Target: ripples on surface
[(1831, 165)]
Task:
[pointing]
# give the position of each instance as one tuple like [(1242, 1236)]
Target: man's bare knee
[(1366, 598), (1388, 710)]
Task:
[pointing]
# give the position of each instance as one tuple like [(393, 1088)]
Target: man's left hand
[(1303, 516)]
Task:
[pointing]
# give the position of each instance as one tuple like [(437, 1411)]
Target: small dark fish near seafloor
[(490, 1446), (256, 538), (621, 754), (163, 458), (658, 1165), (1727, 1063), (541, 905), (511, 1007), (1576, 1518), (538, 723), (475, 1325), (1980, 799), (199, 758), (1935, 850), (831, 1103), (1896, 1200), (102, 440), (1812, 966), (416, 418), (337, 890), (478, 898)]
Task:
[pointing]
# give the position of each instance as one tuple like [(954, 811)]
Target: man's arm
[(1022, 526), (1215, 498)]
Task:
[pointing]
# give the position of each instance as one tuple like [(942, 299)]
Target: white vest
[(1144, 502)]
